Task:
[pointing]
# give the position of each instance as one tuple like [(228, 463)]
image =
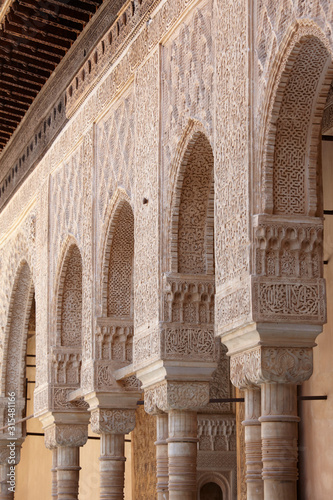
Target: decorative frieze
[(188, 299), (288, 248), (190, 343), (114, 340), (66, 367), (289, 300), (217, 433)]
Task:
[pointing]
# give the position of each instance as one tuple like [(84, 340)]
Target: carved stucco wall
[(146, 261), (231, 162), (60, 188)]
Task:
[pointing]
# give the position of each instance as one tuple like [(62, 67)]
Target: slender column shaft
[(5, 494), (182, 453), (112, 466), (54, 490), (254, 483), (279, 440), (68, 468), (162, 456)]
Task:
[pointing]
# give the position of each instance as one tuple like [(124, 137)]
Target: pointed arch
[(118, 260), (16, 333), (69, 296), (191, 235), (297, 93)]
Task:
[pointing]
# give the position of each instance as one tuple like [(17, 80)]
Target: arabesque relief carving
[(112, 421), (176, 395), (286, 365)]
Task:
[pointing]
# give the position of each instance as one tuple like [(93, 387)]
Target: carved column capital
[(168, 395), (263, 364), (69, 435), (112, 421)]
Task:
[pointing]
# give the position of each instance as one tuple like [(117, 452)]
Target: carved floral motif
[(286, 365), (65, 435), (168, 396), (115, 421)]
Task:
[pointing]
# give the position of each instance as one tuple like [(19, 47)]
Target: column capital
[(112, 421), (265, 364), (69, 435), (173, 395)]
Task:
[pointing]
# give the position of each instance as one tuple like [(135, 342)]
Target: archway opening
[(211, 491)]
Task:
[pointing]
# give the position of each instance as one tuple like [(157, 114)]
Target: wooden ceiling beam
[(26, 69), (14, 57), (20, 109), (24, 74), (10, 111), (24, 51), (5, 134), (49, 19), (9, 119), (7, 80), (8, 124), (12, 92), (64, 12), (36, 47), (14, 96), (4, 128), (37, 25), (38, 38), (79, 6)]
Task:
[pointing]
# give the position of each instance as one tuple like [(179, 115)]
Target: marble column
[(68, 469), (278, 371), (279, 431), (65, 440), (112, 466), (162, 471), (252, 426), (112, 424), (54, 489), (182, 454)]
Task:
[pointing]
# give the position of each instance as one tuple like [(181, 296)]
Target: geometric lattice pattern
[(193, 209), (120, 277), (71, 311), (292, 130), (116, 146), (187, 79)]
